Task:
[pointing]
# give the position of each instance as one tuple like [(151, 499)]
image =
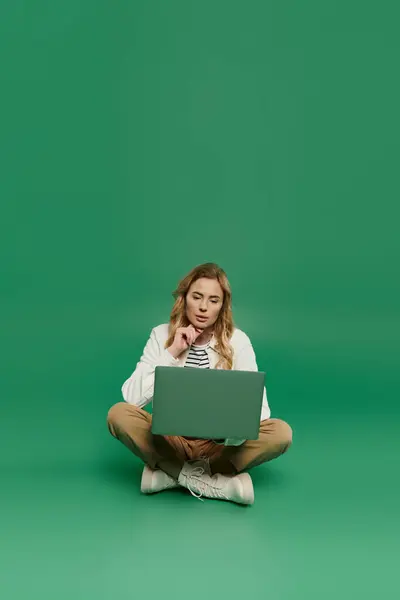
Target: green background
[(139, 139)]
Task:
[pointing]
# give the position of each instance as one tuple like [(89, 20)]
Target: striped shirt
[(198, 357)]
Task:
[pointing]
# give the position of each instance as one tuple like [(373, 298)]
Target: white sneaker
[(156, 481), (196, 477)]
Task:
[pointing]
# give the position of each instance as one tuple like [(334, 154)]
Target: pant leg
[(274, 439), (132, 426)]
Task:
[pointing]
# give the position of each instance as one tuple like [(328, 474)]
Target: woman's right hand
[(184, 337)]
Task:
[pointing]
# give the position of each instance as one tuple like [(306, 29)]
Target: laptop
[(207, 403)]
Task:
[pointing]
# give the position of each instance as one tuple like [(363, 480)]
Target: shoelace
[(194, 479), (206, 459)]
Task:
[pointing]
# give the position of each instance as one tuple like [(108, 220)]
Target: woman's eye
[(213, 301)]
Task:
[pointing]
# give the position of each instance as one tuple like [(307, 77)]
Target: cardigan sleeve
[(138, 389), (246, 361)]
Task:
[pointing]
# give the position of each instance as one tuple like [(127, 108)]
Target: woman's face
[(204, 298)]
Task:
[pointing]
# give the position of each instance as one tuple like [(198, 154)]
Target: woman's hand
[(184, 337)]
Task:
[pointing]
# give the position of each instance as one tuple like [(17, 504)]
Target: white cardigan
[(138, 389)]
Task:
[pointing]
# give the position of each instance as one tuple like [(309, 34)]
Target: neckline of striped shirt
[(198, 357)]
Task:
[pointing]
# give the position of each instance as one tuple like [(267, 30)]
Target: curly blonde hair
[(224, 325)]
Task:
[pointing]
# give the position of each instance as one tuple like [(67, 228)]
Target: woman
[(200, 334)]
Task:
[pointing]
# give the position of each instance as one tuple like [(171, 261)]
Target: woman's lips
[(201, 318)]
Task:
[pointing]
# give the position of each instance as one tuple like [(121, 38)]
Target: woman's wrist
[(173, 351)]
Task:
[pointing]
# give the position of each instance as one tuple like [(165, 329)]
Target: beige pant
[(132, 426)]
